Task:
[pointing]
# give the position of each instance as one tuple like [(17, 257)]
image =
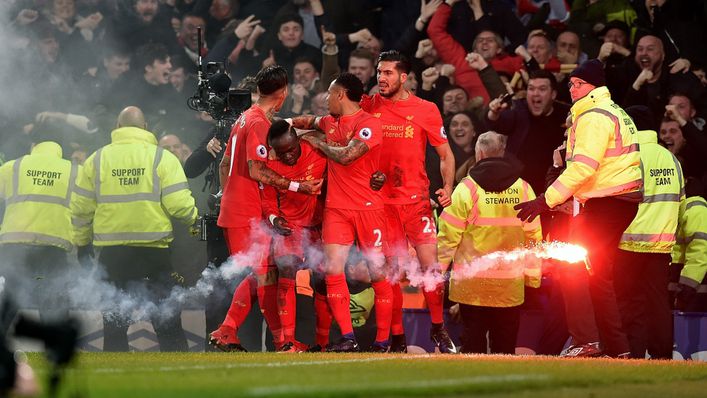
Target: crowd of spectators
[(73, 65)]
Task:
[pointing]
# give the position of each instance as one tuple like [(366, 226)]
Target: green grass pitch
[(174, 375)]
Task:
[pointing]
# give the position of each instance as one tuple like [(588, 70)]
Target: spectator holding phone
[(534, 126)]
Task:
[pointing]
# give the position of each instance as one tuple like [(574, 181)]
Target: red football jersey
[(241, 202), (297, 208), (407, 126), (349, 186)]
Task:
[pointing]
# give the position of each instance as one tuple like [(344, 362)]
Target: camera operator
[(207, 154), (205, 157)]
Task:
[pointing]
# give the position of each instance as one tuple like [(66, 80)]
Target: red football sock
[(396, 324), (435, 303), (321, 310), (338, 298), (241, 303), (267, 298), (287, 307), (384, 309)]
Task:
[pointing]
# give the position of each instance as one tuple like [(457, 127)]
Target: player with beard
[(353, 209), (296, 218), (243, 169), (408, 123)]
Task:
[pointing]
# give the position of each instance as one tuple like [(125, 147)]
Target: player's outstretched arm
[(344, 155), (305, 122)]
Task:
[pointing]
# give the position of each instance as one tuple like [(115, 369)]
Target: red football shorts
[(410, 222), (252, 242), (365, 227), (298, 243)]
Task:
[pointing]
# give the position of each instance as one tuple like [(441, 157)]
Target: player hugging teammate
[(376, 197)]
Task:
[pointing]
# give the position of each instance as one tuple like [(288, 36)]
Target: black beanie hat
[(616, 24), (591, 71), (642, 117)]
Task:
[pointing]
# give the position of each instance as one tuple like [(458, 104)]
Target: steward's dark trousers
[(36, 276), (146, 274), (641, 283), (598, 228), (501, 324), (579, 311)]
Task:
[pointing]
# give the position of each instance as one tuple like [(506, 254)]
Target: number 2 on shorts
[(379, 238)]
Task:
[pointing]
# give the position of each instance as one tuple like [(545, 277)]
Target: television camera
[(224, 104)]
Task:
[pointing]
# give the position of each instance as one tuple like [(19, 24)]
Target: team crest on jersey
[(365, 133), (262, 152), (442, 132)]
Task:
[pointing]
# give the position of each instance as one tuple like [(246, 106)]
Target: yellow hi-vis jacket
[(37, 190), (480, 222), (653, 229), (127, 192), (691, 247), (602, 153)]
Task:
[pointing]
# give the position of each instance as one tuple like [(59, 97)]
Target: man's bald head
[(650, 54), (132, 116), (651, 40)]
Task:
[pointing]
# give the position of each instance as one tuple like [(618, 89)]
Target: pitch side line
[(258, 365), (476, 380)]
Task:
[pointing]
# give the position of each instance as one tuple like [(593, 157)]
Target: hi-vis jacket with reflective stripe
[(691, 247), (602, 153), (127, 192), (480, 222), (653, 229), (37, 190)]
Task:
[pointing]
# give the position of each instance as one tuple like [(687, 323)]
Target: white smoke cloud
[(81, 288), (522, 260), (518, 261)]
